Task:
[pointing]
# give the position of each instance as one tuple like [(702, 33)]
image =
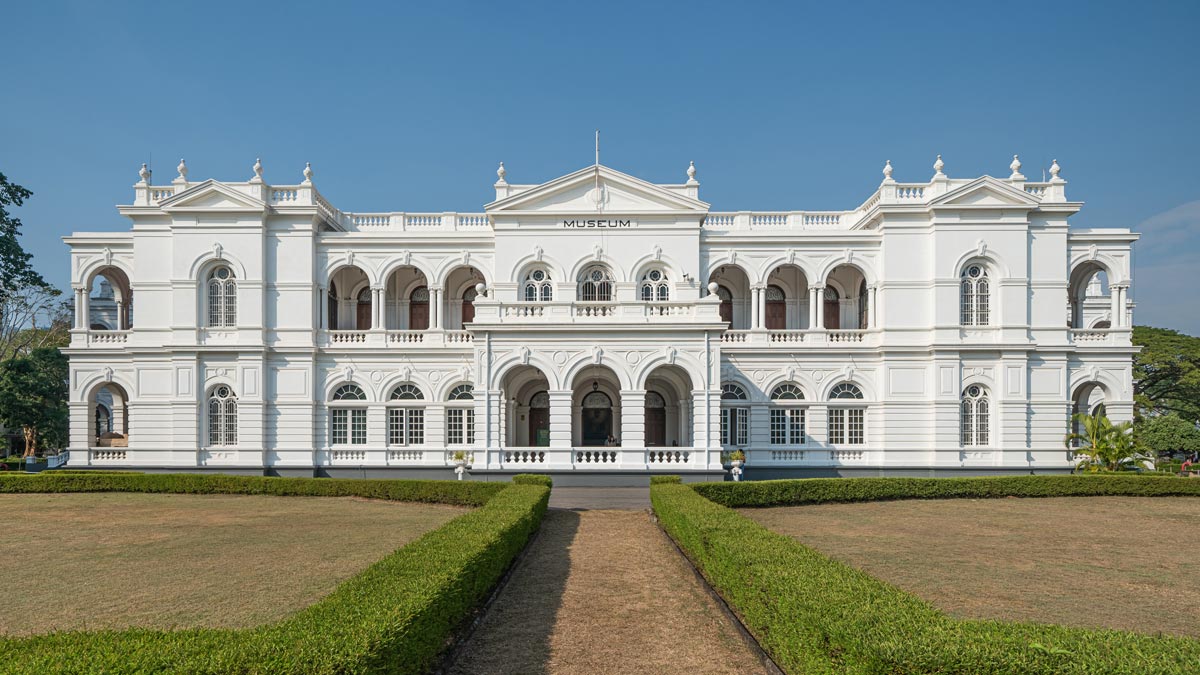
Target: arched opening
[(846, 417), (1090, 399), (595, 284), (460, 296), (595, 399), (1090, 301), (975, 295), (788, 415), (669, 408), (349, 287), (362, 312), (527, 407), (108, 407), (348, 415), (460, 415), (406, 415), (221, 297), (222, 417), (537, 286), (109, 302), (787, 298), (655, 285), (733, 287), (406, 286), (735, 415), (976, 416), (846, 307)]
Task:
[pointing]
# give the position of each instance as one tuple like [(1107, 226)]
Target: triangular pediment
[(212, 196), (598, 189), (986, 192)]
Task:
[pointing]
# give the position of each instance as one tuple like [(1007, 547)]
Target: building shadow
[(514, 636)]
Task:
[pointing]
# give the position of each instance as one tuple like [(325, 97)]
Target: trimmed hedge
[(814, 614), (533, 479), (795, 492), (394, 617), (665, 480)]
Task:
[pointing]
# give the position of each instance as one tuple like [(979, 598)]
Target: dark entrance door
[(726, 305), (364, 310), (539, 420), (833, 308), (418, 309), (596, 419), (656, 420)]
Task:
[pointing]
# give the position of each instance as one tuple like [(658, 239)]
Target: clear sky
[(409, 106)]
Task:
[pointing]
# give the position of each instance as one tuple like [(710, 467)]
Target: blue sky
[(782, 106)]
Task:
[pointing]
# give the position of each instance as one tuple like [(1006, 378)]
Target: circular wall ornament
[(633, 357), (818, 375), (760, 375), (560, 357), (376, 376), (434, 376)]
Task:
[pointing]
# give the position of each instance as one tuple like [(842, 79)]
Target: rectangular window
[(339, 426), (358, 426), (787, 426), (968, 423), (796, 427), (856, 422), (735, 426), (416, 426), (779, 425), (406, 426), (743, 425), (837, 425), (460, 426), (725, 426), (395, 426)]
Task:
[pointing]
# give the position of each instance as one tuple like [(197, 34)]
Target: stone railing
[(589, 310), (845, 335), (1088, 337), (415, 222), (406, 336), (669, 456), (795, 220), (107, 338), (393, 339), (347, 337)]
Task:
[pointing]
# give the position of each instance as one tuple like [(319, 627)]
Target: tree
[(1166, 435), (33, 397), (16, 272), (1166, 373), (32, 317), (1104, 446)]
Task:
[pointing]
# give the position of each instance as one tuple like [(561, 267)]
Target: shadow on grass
[(514, 637)]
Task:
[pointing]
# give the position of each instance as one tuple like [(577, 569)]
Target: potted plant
[(460, 463), (737, 458)]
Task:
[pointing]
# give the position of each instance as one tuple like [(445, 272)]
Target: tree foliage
[(16, 271), (1104, 446), (1166, 373), (33, 397), (1167, 434)]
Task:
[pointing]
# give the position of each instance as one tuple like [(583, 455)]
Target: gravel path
[(604, 592)]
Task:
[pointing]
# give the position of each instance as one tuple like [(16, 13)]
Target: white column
[(1125, 322), (633, 419), (814, 297), (560, 418), (873, 308), (1117, 306), (86, 312), (754, 319), (323, 301), (819, 292), (435, 306)]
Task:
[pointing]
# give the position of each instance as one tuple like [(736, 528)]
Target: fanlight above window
[(463, 392), (845, 390), (732, 392), (349, 392), (222, 298), (595, 284), (976, 296), (538, 286), (787, 392), (655, 286), (407, 392)]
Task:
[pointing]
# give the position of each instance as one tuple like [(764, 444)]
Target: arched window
[(787, 415), (348, 422), (975, 411), (595, 284), (538, 286), (222, 417), (460, 419), (406, 416), (655, 286), (735, 415), (863, 297), (776, 308), (833, 308), (222, 298), (418, 308), (362, 311), (975, 296), (847, 424)]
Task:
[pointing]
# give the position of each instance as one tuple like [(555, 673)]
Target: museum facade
[(596, 324)]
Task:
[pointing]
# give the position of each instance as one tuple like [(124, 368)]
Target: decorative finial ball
[(887, 169), (480, 288), (308, 172), (712, 288), (691, 172), (1054, 168), (939, 164), (501, 172), (258, 167), (144, 173), (182, 168), (1016, 164)]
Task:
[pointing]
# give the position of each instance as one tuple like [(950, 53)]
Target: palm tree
[(1104, 446)]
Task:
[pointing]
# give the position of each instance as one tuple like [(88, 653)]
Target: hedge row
[(394, 617), (665, 480), (795, 492), (813, 614)]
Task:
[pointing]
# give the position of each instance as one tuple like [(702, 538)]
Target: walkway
[(604, 591), (588, 498)]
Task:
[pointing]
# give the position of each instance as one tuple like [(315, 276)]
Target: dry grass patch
[(1128, 563), (604, 592), (117, 560)]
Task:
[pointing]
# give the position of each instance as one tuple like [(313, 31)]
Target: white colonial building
[(597, 325)]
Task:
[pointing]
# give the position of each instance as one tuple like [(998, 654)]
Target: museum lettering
[(597, 223)]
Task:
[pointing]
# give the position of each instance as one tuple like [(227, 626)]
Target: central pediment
[(598, 189)]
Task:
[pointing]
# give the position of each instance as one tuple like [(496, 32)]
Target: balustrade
[(104, 338), (596, 456), (787, 455), (405, 455), (676, 456), (105, 455), (845, 335)]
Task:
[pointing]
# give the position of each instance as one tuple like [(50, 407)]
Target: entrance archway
[(669, 407), (596, 408), (526, 412), (656, 420), (108, 412)]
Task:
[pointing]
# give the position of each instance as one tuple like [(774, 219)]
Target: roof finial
[(691, 174), (144, 172), (597, 147), (887, 170), (501, 172), (258, 171), (938, 166), (1054, 170), (1016, 169), (182, 169), (308, 172)]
